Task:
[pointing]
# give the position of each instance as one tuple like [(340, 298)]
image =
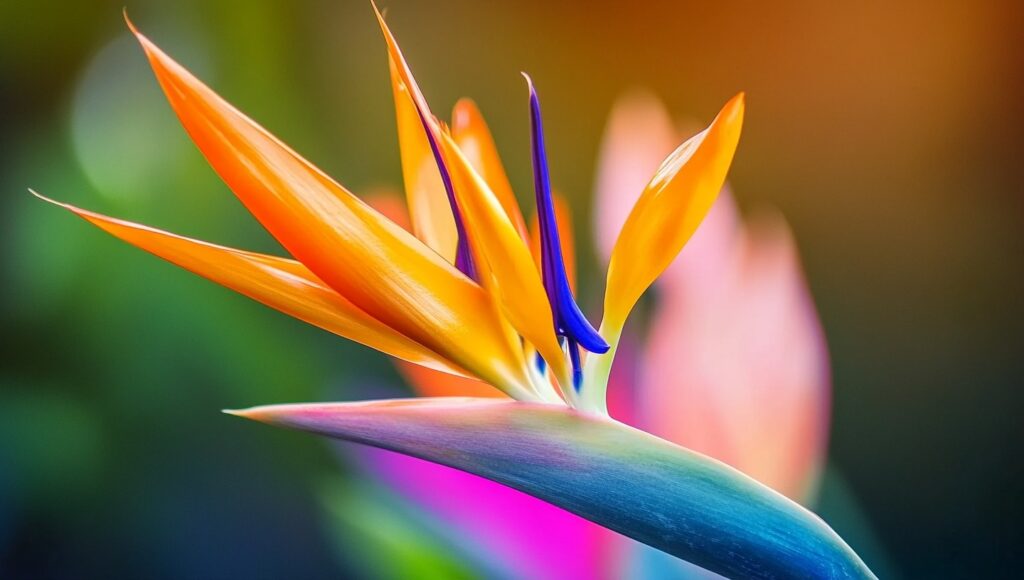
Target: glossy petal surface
[(279, 283), (499, 250), (430, 212), (474, 138), (362, 255), (638, 137), (669, 210), (510, 272), (666, 496)]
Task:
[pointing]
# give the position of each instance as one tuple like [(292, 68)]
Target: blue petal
[(577, 365), (569, 320)]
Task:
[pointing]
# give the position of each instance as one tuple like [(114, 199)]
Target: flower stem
[(596, 370)]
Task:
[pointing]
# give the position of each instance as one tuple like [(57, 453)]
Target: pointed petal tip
[(82, 213), (735, 106), (128, 21), (150, 49), (40, 196), (262, 414), (463, 113), (529, 81), (380, 15), (52, 201), (146, 43)]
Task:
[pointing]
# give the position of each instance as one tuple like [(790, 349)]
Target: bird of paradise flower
[(464, 294)]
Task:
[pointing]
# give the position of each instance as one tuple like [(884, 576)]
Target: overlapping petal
[(563, 221), (673, 499), (429, 211), (499, 249), (279, 283), (474, 138), (365, 257), (669, 211), (510, 270)]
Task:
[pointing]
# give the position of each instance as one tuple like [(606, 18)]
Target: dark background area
[(888, 135)]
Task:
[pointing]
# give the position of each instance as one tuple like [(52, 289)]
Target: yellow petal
[(669, 211), (359, 253), (510, 271), (282, 284), (430, 212), (474, 138), (563, 220)]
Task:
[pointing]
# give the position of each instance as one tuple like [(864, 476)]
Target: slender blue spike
[(569, 320), (577, 366), (463, 258)]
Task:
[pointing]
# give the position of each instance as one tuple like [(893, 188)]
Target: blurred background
[(888, 135)]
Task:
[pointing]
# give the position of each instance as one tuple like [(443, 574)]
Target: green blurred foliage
[(383, 538)]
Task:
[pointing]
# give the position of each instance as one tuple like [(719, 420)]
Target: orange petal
[(430, 212), (282, 284), (638, 136), (669, 211), (365, 257), (473, 137), (563, 219)]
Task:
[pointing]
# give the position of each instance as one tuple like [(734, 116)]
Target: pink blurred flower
[(735, 364)]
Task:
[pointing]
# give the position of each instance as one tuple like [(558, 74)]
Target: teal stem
[(673, 499)]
